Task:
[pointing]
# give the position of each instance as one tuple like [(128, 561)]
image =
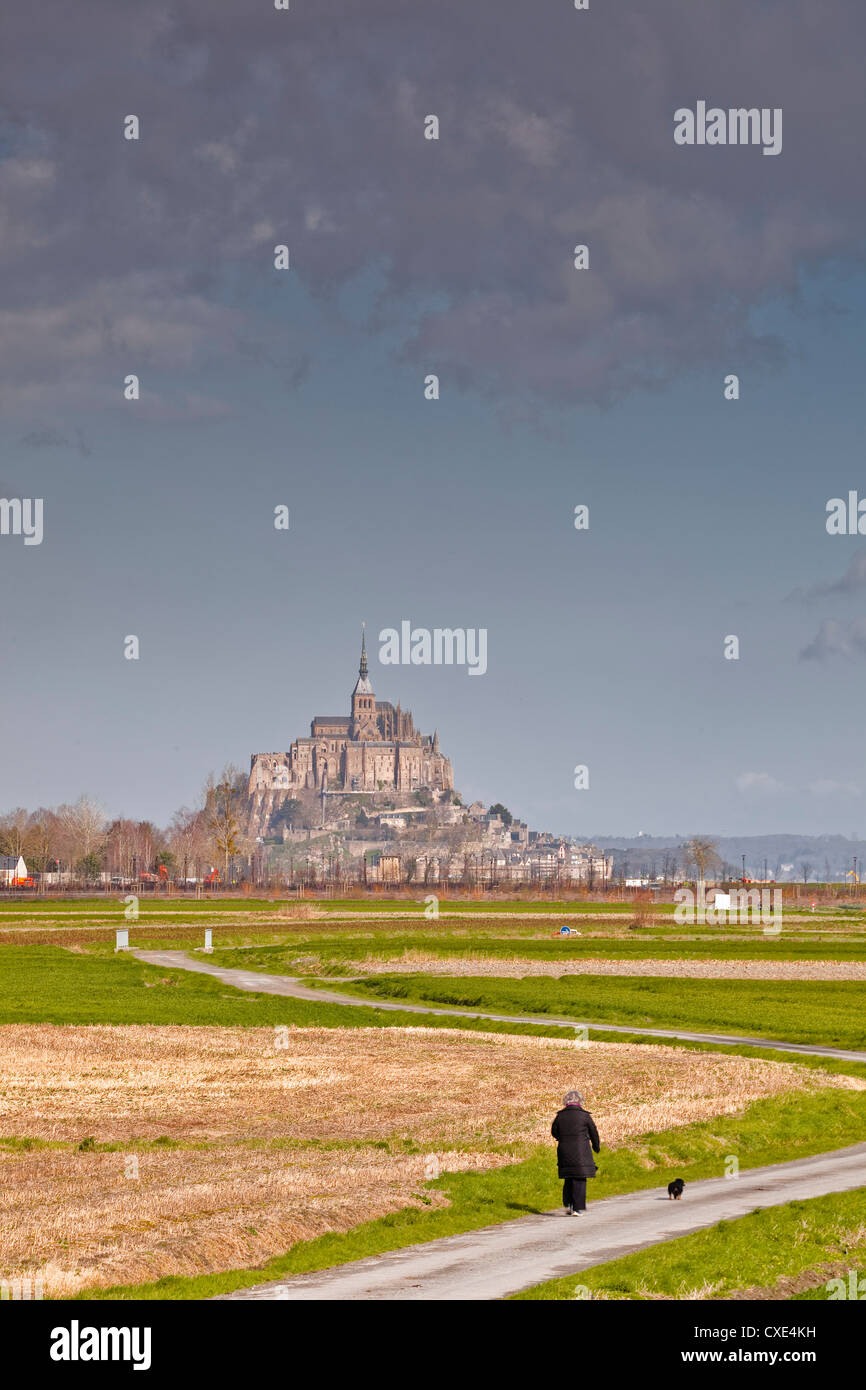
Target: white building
[(12, 867)]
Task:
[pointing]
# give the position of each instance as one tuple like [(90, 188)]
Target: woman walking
[(576, 1135)]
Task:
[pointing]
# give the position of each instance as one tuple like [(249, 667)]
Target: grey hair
[(573, 1098)]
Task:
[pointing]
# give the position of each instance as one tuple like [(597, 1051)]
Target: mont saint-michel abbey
[(375, 748)]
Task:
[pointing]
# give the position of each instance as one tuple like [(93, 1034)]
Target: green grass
[(472, 905), (773, 1130), (353, 943), (808, 1011), (372, 905), (850, 918), (12, 1145), (755, 1251), (47, 984), (272, 946), (112, 904)]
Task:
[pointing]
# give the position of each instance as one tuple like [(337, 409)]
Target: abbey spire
[(363, 725)]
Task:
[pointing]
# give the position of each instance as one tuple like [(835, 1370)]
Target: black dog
[(675, 1189)]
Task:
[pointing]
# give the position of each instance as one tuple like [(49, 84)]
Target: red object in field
[(163, 871), (212, 877)]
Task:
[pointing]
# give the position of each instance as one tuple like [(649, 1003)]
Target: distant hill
[(829, 857)]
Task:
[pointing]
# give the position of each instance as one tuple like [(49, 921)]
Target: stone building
[(374, 748)]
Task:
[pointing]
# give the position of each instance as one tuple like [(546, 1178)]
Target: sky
[(558, 387)]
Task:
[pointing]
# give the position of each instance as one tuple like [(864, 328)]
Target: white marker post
[(122, 942), (208, 939)]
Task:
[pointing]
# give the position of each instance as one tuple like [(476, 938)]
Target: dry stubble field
[(278, 1144), (430, 964)]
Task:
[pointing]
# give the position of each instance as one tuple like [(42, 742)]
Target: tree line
[(78, 838)]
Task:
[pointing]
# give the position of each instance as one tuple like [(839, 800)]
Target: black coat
[(575, 1131)]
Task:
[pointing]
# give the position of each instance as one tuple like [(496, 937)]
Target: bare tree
[(806, 870), (225, 804), (188, 837), (131, 847), (14, 828), (119, 848), (43, 838), (82, 828), (702, 853)]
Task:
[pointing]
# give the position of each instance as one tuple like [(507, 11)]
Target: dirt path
[(291, 987), (499, 1260)]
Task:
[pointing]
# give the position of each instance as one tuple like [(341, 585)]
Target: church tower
[(363, 724)]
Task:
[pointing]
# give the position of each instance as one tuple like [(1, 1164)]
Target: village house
[(12, 869)]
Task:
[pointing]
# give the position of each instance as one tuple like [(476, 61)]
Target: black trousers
[(574, 1193)]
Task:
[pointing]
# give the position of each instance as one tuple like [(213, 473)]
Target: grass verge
[(753, 1252)]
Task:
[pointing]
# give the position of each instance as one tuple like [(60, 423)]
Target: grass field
[(328, 950), (771, 1130), (530, 919), (373, 903), (244, 1143), (423, 962), (811, 1011), (258, 1160), (420, 961), (52, 984)]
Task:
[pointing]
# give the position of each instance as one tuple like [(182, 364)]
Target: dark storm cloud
[(261, 126)]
